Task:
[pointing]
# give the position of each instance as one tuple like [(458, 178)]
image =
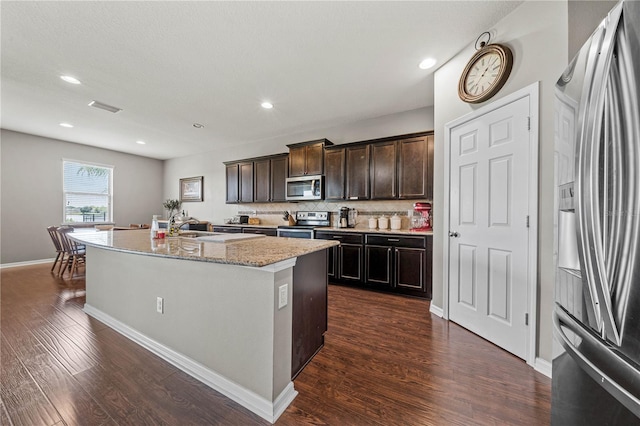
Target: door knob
[(454, 234)]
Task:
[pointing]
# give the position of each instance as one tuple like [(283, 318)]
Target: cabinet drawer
[(339, 236), (265, 231), (228, 229), (395, 241)]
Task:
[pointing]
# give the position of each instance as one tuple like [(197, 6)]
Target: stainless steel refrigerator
[(596, 319)]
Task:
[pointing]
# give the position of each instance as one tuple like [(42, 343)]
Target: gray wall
[(209, 164), (32, 198), (537, 34)]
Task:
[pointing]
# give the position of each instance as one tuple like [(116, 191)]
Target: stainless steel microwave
[(305, 188)]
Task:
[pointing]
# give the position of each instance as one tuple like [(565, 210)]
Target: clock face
[(485, 74)]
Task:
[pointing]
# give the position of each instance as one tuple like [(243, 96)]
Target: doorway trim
[(532, 92)]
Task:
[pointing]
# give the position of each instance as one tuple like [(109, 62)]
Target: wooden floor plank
[(386, 361)]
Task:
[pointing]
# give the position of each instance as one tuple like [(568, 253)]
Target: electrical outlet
[(160, 305), (283, 295)]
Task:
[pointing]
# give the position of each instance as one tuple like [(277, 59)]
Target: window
[(87, 192)]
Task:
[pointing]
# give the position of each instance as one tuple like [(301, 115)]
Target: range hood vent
[(105, 107)]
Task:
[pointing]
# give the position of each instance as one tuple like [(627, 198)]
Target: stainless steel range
[(306, 222)]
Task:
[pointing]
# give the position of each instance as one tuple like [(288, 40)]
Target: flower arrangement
[(171, 206)]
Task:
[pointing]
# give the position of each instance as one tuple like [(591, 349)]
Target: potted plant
[(171, 206)]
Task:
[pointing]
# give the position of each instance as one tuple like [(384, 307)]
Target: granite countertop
[(352, 230), (257, 252), (375, 231)]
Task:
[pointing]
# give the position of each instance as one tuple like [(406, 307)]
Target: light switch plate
[(283, 295)]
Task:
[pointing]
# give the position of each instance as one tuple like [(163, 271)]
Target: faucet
[(174, 229)]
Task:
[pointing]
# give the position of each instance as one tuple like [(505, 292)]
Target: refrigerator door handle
[(599, 360), (589, 209)]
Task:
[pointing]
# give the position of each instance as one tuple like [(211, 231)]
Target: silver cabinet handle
[(394, 240), (454, 234)]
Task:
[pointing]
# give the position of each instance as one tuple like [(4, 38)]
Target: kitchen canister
[(383, 222), (373, 223), (396, 222)]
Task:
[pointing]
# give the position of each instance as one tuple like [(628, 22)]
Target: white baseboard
[(250, 400), (435, 310), (26, 263), (542, 366)]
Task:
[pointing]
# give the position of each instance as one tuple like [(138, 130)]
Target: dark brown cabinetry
[(233, 182), (239, 182), (227, 229), (257, 179), (279, 174), (357, 184), (347, 172), (270, 174), (307, 158), (415, 167), (246, 182), (334, 165), (309, 308), (383, 171), (402, 168), (401, 263), (270, 232), (345, 263)]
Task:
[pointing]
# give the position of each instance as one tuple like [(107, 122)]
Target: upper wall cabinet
[(402, 168), (347, 172), (415, 167), (239, 182), (307, 158), (259, 180)]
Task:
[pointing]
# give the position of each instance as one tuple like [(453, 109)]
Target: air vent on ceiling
[(105, 107)]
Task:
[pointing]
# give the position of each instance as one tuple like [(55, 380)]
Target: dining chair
[(74, 253), (53, 233)]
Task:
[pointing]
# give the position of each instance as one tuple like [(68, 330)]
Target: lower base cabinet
[(389, 262)]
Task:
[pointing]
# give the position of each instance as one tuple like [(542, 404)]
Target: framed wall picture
[(191, 189)]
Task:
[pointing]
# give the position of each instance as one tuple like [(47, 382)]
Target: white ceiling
[(170, 64)]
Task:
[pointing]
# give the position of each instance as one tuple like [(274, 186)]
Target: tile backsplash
[(271, 213)]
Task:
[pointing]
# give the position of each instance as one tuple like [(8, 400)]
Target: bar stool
[(53, 233), (75, 254)]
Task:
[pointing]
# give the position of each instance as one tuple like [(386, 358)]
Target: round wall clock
[(485, 73)]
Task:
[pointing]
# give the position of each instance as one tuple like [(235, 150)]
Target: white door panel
[(488, 250)]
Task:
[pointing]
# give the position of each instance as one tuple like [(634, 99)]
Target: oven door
[(295, 233)]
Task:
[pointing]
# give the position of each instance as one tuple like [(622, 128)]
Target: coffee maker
[(421, 220), (347, 217)]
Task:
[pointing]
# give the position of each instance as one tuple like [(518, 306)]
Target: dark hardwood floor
[(386, 361)]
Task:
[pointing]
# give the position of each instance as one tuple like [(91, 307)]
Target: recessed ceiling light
[(266, 105), (198, 125), (427, 63), (70, 79), (141, 142), (66, 125)]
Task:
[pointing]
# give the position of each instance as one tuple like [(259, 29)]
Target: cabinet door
[(357, 184), (378, 265), (262, 181), (233, 184), (334, 160), (429, 191), (412, 168), (350, 262), (314, 159), (410, 268), (279, 176), (383, 171), (297, 158), (246, 182), (332, 264)]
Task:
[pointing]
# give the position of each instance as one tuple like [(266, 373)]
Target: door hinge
[(526, 319), (527, 221), (528, 123)]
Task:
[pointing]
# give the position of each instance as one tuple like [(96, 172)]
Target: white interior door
[(488, 225)]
